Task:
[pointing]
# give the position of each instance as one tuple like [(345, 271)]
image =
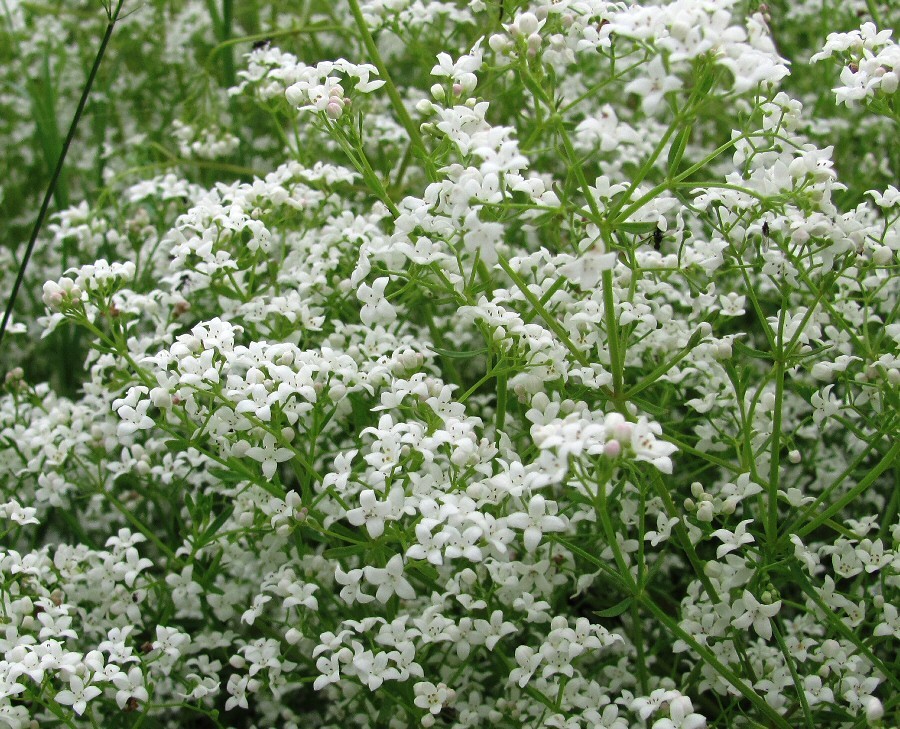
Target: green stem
[(724, 671), (549, 320), (140, 526), (838, 625), (396, 101), (54, 180), (838, 506), (771, 524), (798, 685), (612, 334)]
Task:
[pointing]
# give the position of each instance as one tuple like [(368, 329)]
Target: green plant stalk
[(601, 508), (551, 322), (883, 465), (612, 334), (798, 686), (606, 277), (365, 169), (771, 524), (54, 180), (838, 625), (396, 102), (746, 691), (228, 58), (141, 527)]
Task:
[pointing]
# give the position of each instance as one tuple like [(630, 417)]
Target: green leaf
[(741, 348), (462, 354), (213, 528), (348, 551), (427, 570), (676, 151), (616, 610), (227, 475), (636, 228)]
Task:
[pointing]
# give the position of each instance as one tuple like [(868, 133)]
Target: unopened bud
[(882, 255), (526, 24)]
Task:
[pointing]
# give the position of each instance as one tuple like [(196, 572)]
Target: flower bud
[(705, 511), (293, 636), (526, 24), (890, 82), (499, 43), (882, 255), (874, 708)]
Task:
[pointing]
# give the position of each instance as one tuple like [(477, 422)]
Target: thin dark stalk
[(51, 188)]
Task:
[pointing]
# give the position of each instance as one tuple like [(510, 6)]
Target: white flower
[(376, 308), (681, 716), (22, 515), (389, 580), (528, 661), (653, 84), (77, 695), (432, 697), (663, 529), (749, 611), (586, 270), (373, 512), (733, 540), (537, 521), (134, 418), (268, 455), (130, 686)]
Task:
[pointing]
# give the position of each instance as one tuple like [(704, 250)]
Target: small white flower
[(749, 611), (390, 580), (77, 695), (537, 521), (733, 540)]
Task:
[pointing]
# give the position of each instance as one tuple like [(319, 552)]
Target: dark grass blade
[(54, 181)]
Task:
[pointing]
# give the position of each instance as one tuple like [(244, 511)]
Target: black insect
[(657, 239), (264, 43), (765, 228)]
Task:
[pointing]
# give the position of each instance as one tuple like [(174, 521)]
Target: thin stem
[(771, 523), (724, 671), (549, 320), (399, 109), (54, 180), (870, 478)]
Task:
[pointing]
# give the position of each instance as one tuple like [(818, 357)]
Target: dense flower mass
[(503, 363)]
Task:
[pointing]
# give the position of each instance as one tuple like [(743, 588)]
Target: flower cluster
[(454, 365)]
